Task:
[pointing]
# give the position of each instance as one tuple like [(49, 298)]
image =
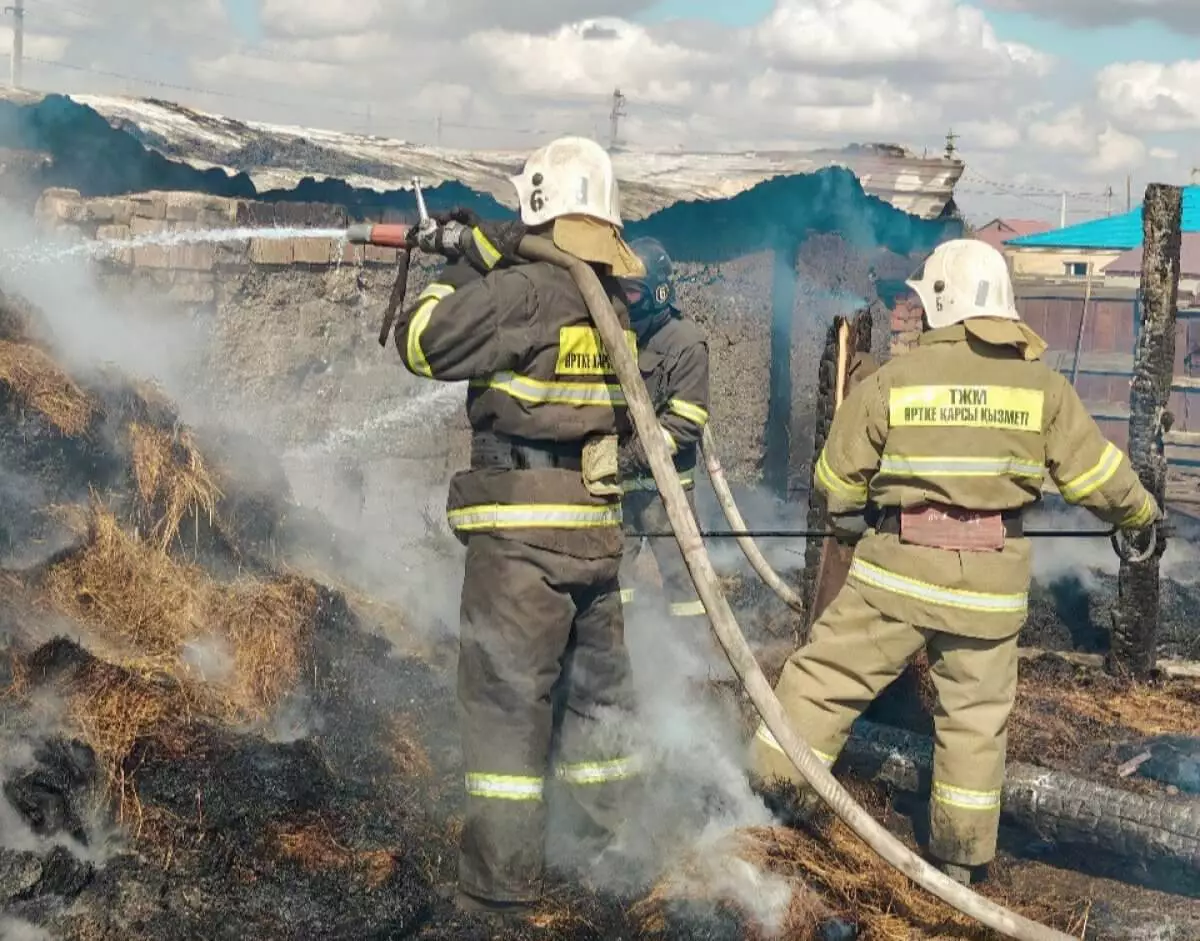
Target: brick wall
[(191, 270)]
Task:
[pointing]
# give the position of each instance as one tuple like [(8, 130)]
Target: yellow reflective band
[(508, 787), (836, 485), (533, 516), (688, 609), (981, 601), (537, 392), (965, 799), (414, 355), (900, 466), (487, 251), (581, 352), (689, 412), (1002, 407), (672, 444), (1145, 514), (764, 735), (627, 595), (599, 772), (1096, 477), (647, 484)]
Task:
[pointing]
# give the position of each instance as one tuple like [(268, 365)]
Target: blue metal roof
[(1116, 233)]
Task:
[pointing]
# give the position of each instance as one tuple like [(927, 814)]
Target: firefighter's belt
[(490, 450), (945, 527)]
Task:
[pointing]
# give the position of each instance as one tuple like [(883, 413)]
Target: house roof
[(1130, 263), (996, 232), (1114, 233)]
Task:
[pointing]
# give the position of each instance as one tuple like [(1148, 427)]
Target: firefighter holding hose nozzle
[(542, 660), (928, 467), (673, 359)]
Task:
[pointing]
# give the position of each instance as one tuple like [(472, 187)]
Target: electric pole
[(614, 118), (1108, 195), (437, 128), (1062, 214), (18, 42), (1129, 192), (951, 150)]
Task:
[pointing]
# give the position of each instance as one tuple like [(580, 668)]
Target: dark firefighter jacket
[(674, 364), (970, 418), (536, 370)]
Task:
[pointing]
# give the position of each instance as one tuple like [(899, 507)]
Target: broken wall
[(291, 324)]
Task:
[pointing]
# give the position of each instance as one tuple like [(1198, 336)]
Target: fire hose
[(725, 626)]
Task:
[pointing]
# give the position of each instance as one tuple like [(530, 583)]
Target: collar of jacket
[(994, 332)]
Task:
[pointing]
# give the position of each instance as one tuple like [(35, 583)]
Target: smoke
[(694, 790), (14, 929), (89, 328), (1089, 558)]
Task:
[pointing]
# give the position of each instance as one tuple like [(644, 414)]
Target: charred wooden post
[(826, 563), (1135, 618)]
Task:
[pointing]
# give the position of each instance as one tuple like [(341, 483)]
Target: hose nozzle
[(387, 235)]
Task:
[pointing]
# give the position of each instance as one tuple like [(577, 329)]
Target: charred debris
[(201, 738)]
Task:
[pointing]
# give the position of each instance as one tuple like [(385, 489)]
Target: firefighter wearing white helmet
[(928, 467), (542, 653)]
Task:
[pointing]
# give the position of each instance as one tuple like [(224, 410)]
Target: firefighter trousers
[(644, 511), (545, 694), (853, 654)]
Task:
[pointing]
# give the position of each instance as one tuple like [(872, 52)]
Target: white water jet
[(428, 407), (53, 251)]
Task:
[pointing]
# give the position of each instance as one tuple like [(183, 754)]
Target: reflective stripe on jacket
[(971, 418), (523, 340)]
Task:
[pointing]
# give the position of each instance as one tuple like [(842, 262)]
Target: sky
[(1045, 97)]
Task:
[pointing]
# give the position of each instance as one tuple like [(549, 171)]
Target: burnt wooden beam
[(826, 562), (1056, 806), (1136, 615)]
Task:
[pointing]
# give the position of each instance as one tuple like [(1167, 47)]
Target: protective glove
[(849, 528), (461, 232)]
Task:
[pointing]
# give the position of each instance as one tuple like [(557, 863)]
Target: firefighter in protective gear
[(673, 358), (542, 662), (947, 445)]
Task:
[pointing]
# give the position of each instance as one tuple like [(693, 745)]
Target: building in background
[(999, 231)]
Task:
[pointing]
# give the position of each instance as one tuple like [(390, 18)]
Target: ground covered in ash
[(201, 739)]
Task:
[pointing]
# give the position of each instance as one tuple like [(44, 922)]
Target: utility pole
[(1128, 192), (614, 118), (951, 150), (1062, 213), (1108, 195), (18, 42), (437, 128)]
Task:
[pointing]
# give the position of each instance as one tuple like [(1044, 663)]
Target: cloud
[(475, 75), (1152, 96), (940, 38), (1183, 15), (1073, 132)]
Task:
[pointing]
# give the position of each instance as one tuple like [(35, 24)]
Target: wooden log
[(1136, 614), (1053, 805), (1175, 669)]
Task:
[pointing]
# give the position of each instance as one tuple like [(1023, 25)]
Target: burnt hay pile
[(199, 741)]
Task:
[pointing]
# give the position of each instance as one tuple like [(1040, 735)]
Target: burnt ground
[(310, 788)]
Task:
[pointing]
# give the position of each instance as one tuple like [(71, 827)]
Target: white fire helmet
[(964, 278), (571, 176)]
